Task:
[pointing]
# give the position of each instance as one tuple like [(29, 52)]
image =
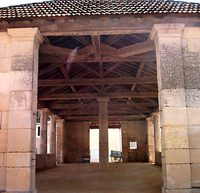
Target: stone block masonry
[(75, 144), (134, 131), (18, 95), (178, 52)]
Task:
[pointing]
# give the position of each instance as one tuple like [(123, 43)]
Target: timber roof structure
[(62, 8), (97, 49)]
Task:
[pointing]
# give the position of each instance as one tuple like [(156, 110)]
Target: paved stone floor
[(86, 178)]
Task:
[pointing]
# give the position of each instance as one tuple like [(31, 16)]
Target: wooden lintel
[(96, 81), (96, 95), (100, 31)]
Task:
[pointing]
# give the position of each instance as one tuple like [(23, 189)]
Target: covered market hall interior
[(131, 65)]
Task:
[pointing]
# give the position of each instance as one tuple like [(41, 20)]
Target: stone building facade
[(176, 37)]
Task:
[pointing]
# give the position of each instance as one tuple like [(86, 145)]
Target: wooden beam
[(100, 31), (101, 74), (54, 50), (96, 105), (82, 40), (59, 51), (44, 58), (112, 39), (113, 118), (96, 43), (95, 87), (96, 112), (96, 95), (64, 71), (108, 87), (108, 50), (49, 68), (138, 75), (88, 68), (52, 89), (83, 53), (96, 81), (135, 49), (112, 68), (46, 40)]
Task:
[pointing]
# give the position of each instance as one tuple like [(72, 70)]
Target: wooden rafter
[(64, 71), (112, 68), (88, 68), (112, 39), (96, 46), (82, 40), (138, 75)]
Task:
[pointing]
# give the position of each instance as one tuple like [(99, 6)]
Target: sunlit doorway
[(114, 141)]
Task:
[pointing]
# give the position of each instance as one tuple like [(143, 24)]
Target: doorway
[(114, 143)]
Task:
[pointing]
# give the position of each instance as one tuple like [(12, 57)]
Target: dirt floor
[(86, 178)]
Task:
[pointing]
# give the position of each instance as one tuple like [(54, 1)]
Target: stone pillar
[(43, 130), (157, 137), (60, 141), (172, 105), (191, 56), (125, 143), (5, 68), (53, 134), (103, 133), (20, 175), (86, 139), (150, 139)]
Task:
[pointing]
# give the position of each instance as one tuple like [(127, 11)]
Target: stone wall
[(134, 131), (76, 142), (45, 161)]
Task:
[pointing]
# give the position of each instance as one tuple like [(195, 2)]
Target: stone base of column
[(180, 190)]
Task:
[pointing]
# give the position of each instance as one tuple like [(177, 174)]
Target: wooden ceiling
[(75, 70)]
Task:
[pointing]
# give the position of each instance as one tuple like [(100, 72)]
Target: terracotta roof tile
[(59, 8)]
